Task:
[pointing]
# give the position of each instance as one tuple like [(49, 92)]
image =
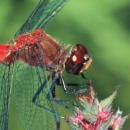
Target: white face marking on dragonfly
[(74, 58)]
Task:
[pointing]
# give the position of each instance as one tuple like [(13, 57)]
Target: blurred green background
[(103, 26)]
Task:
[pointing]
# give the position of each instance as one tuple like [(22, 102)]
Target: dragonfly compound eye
[(77, 57), (78, 61)]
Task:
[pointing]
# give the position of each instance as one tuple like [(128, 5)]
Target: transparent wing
[(27, 80), (5, 87), (42, 14)]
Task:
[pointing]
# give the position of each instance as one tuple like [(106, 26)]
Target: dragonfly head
[(78, 61)]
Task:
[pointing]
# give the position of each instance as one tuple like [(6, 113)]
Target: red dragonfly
[(24, 62)]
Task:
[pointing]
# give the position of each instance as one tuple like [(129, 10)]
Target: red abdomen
[(3, 52), (6, 54)]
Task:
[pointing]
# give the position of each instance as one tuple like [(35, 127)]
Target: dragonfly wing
[(42, 14), (27, 80), (5, 87)]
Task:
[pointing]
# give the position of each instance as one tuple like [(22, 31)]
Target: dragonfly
[(24, 64)]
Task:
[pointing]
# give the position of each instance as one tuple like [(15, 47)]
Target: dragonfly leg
[(49, 97), (65, 90), (36, 95), (84, 76), (90, 82), (74, 84)]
